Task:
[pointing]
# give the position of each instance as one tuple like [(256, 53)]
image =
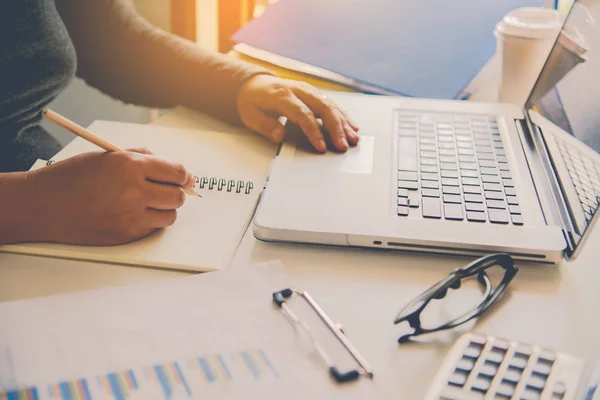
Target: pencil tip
[(193, 192)]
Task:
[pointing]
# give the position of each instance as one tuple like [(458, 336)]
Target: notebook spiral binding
[(221, 184), (215, 183)]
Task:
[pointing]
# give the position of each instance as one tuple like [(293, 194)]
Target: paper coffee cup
[(570, 51), (524, 38)]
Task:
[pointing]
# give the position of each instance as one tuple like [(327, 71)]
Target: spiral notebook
[(230, 169)]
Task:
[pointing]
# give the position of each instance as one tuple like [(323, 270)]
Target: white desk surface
[(554, 306)]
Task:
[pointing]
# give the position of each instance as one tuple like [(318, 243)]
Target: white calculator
[(481, 367)]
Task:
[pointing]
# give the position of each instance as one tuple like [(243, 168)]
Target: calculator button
[(476, 216), (449, 174), (468, 189), (495, 356), (450, 182), (493, 187), (523, 350), (478, 340), (506, 389), (494, 196), (465, 364), (559, 390), (517, 219), (512, 375), (530, 394), (481, 384), (474, 207), (453, 393), (473, 198), (516, 210), (499, 204), (453, 211), (467, 173), (542, 368), (548, 356), (450, 190), (489, 369), (458, 378), (498, 216), (402, 192), (430, 193), (501, 344), (519, 361), (512, 200), (490, 179), (402, 211), (410, 185), (408, 176), (537, 381), (430, 184), (429, 176), (451, 198), (472, 351), (429, 168)]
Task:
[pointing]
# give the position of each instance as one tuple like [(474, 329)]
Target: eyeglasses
[(411, 313)]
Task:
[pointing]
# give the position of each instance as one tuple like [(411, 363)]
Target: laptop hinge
[(547, 188)]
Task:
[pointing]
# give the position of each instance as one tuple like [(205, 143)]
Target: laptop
[(455, 177)]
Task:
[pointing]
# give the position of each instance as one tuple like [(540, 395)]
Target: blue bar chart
[(73, 390), (170, 380), (23, 394), (169, 376), (257, 364), (119, 385), (212, 369)]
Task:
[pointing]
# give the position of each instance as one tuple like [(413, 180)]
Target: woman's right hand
[(106, 198)]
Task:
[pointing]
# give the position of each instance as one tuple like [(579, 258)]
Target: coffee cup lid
[(531, 23)]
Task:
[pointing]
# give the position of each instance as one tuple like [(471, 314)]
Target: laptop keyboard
[(454, 167), (584, 175)]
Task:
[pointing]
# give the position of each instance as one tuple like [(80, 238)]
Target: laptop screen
[(568, 89)]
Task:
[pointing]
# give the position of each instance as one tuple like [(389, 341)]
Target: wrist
[(39, 223), (17, 210)]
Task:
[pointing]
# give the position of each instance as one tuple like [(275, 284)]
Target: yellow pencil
[(89, 136)]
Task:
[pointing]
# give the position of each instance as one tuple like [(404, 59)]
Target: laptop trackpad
[(357, 160)]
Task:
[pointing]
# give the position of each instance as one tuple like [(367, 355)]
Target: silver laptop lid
[(567, 92)]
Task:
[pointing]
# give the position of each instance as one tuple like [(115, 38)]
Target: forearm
[(16, 212), (123, 55)]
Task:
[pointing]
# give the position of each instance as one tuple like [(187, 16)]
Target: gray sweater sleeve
[(124, 56)]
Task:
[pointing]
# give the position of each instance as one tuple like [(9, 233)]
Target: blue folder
[(420, 48)]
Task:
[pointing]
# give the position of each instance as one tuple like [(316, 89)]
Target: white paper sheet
[(212, 336)]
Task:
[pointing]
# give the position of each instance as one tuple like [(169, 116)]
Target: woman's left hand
[(265, 98)]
